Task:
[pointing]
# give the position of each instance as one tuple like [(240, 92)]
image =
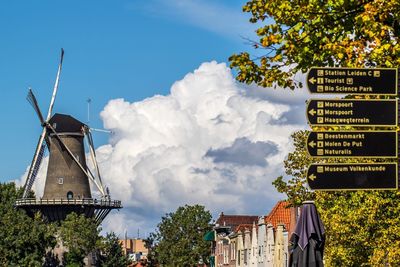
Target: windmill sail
[(94, 160), (32, 100), (53, 97), (36, 162)]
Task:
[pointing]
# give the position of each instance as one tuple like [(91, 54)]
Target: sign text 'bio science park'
[(352, 81)]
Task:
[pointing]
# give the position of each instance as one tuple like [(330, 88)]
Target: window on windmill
[(70, 195), (54, 125), (60, 180)]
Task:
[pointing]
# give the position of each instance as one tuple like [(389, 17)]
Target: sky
[(157, 74)]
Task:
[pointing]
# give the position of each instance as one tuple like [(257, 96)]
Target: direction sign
[(378, 81), (354, 112), (359, 176), (365, 144)]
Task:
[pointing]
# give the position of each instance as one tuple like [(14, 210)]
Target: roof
[(235, 220), (281, 214), (65, 123)]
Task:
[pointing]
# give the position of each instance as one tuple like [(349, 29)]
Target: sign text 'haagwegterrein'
[(352, 112)]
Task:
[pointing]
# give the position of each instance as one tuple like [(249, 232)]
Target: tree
[(179, 237), (305, 33), (111, 254), (23, 240), (80, 235), (150, 244), (362, 227), (296, 165)]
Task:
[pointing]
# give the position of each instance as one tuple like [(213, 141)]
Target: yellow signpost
[(377, 81), (352, 112), (360, 113), (353, 144), (357, 176)]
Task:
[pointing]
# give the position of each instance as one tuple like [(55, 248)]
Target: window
[(226, 255), (70, 195), (60, 180)]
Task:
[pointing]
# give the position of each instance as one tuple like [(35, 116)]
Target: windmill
[(67, 186)]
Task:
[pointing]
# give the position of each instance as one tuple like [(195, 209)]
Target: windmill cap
[(66, 123)]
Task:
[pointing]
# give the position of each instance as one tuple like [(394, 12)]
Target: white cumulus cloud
[(210, 141)]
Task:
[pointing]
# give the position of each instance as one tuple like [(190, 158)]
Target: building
[(226, 229), (280, 224), (252, 241), (134, 248)]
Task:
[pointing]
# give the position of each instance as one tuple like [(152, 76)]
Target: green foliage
[(151, 245), (112, 254), (23, 240), (296, 165), (80, 235), (362, 227), (179, 237), (301, 34)]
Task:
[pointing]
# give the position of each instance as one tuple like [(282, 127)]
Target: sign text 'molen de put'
[(353, 144)]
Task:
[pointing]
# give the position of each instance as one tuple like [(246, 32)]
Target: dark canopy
[(308, 238)]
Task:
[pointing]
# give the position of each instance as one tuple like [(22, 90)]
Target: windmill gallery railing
[(86, 201), (57, 209)]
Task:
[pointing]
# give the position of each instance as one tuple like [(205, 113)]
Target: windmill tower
[(67, 187)]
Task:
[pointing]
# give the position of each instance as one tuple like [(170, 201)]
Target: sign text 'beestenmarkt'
[(353, 144), (378, 81)]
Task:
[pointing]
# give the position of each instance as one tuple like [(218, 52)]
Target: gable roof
[(281, 214), (235, 220)]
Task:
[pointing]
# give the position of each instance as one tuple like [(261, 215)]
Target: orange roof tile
[(281, 214)]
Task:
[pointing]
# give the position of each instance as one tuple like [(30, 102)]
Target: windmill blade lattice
[(35, 166)]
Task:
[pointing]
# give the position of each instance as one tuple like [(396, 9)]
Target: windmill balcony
[(85, 201)]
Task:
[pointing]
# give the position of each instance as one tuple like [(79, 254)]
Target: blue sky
[(185, 132), (113, 49)]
